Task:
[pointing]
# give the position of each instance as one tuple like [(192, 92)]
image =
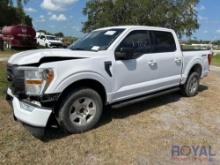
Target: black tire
[(190, 88), (71, 115)]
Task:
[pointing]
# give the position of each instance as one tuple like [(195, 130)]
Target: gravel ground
[(142, 134)]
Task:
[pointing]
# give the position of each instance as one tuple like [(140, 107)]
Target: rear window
[(163, 42)]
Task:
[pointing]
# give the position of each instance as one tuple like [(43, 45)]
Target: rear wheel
[(80, 111), (190, 88)]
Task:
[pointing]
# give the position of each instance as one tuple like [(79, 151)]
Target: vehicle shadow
[(202, 88), (54, 132)]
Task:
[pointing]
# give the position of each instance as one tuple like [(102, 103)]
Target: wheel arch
[(90, 83), (195, 65)]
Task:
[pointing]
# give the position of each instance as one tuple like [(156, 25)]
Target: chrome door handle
[(178, 60), (152, 62)]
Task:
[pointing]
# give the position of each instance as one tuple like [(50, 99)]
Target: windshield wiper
[(78, 49)]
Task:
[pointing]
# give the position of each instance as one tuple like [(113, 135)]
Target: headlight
[(37, 80)]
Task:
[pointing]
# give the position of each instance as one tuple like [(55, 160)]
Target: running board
[(143, 98)]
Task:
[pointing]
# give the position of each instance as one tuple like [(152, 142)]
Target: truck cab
[(112, 66)]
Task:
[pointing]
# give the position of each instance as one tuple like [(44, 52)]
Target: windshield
[(51, 37), (97, 40)]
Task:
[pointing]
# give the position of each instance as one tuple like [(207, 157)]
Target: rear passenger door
[(167, 61)]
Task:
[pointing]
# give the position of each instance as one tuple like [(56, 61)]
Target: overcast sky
[(66, 16)]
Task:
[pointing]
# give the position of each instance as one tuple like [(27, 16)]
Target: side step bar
[(143, 98)]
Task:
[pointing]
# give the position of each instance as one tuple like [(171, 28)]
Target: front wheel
[(190, 88), (80, 111)]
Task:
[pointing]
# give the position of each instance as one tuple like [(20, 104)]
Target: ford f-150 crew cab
[(109, 66)]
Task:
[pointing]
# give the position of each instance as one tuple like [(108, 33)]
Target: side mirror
[(124, 53)]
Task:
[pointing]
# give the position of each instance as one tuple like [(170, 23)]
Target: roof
[(135, 27)]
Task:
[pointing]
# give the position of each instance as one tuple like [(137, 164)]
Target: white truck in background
[(112, 66), (48, 41)]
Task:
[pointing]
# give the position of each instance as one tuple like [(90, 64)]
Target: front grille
[(16, 80)]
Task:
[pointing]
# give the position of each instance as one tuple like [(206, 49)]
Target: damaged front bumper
[(28, 113)]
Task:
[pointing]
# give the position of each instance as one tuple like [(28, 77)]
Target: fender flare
[(190, 65)]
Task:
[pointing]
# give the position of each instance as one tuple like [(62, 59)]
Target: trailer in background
[(1, 41), (19, 36)]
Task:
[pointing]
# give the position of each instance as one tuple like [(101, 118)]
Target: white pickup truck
[(49, 41), (110, 66)]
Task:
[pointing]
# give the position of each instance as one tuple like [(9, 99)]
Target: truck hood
[(48, 55)]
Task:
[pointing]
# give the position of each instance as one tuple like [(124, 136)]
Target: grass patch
[(216, 60), (3, 79), (8, 52)]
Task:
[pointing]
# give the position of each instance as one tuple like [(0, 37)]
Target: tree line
[(180, 15), (215, 42), (13, 13)]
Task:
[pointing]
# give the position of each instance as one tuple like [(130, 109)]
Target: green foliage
[(59, 34), (42, 31), (3, 79), (198, 42), (179, 15), (216, 60), (28, 20), (217, 42), (13, 15)]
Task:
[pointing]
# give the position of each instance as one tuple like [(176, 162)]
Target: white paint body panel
[(192, 58)]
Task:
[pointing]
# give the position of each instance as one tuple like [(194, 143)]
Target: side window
[(163, 42), (138, 41)]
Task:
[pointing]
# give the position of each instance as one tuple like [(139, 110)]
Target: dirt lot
[(139, 134)]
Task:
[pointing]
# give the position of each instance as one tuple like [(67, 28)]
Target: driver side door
[(132, 74)]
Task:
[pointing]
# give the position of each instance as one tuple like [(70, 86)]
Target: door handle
[(152, 62), (178, 60)]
